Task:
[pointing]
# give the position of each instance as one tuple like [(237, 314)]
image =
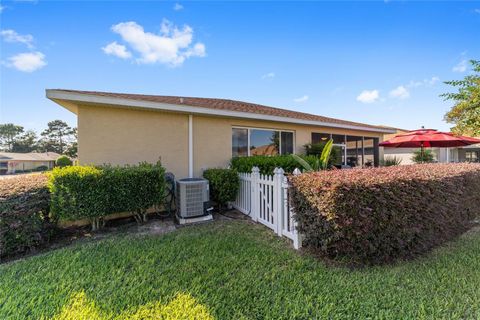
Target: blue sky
[(373, 62)]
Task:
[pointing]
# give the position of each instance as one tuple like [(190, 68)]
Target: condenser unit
[(192, 197)]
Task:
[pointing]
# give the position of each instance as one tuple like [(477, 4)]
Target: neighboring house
[(192, 134), (443, 155), (11, 162)]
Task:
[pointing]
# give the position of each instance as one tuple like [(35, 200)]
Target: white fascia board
[(88, 98)]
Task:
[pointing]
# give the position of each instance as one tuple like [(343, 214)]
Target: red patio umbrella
[(427, 138)]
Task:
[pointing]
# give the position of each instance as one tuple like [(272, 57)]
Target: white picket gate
[(265, 199)]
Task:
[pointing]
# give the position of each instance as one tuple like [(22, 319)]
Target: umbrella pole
[(421, 153)]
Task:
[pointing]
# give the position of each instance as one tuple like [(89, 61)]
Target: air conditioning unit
[(192, 197)]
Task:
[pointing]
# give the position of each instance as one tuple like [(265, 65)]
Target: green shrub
[(224, 184), (63, 161), (24, 219), (267, 164), (391, 161), (87, 192), (41, 168), (426, 156), (370, 216)]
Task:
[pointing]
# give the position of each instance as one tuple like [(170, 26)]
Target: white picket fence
[(265, 199)]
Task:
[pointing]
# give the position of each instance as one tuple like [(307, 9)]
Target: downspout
[(190, 146)]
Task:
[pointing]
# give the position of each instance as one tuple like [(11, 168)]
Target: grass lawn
[(235, 270)]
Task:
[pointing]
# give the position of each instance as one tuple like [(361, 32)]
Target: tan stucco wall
[(121, 136)]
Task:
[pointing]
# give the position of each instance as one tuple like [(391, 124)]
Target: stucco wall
[(121, 136)]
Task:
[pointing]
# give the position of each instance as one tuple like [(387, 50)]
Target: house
[(11, 162), (443, 155), (192, 134)]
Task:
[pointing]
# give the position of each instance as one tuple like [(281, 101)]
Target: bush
[(87, 192), (24, 220), (224, 184), (371, 216), (41, 168), (63, 161), (391, 161), (267, 164), (426, 156)]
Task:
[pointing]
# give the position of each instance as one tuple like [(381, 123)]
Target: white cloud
[(177, 7), (425, 82), (400, 92), (368, 96), (12, 36), (27, 62), (118, 50), (269, 75), (171, 47), (477, 11), (1, 8), (461, 66), (301, 99)]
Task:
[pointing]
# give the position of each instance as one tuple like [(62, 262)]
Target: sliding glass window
[(261, 142)]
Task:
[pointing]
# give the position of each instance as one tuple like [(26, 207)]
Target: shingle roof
[(32, 156), (224, 104)]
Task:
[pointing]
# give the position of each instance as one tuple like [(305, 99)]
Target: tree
[(8, 134), (465, 114), (57, 137), (27, 142)]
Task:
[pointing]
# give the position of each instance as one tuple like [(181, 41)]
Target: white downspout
[(190, 146)]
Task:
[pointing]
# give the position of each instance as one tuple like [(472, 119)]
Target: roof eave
[(62, 98)]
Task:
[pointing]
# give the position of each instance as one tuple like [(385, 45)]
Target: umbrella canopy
[(428, 138)]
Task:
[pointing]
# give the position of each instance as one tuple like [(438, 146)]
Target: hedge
[(223, 184), (267, 164), (378, 215), (88, 192), (24, 219)]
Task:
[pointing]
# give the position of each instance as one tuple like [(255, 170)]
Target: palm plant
[(320, 163)]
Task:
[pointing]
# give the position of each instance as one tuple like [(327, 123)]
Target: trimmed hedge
[(224, 185), (267, 164), (80, 192), (375, 216), (24, 220)]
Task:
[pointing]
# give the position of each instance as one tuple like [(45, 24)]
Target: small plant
[(423, 156), (320, 163), (224, 184), (391, 161), (63, 161)]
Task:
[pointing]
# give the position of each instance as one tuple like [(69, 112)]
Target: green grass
[(238, 270)]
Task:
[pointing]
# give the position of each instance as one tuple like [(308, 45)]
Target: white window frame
[(268, 129)]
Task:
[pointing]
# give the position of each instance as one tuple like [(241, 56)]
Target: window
[(252, 142), (264, 142), (239, 142), (287, 142), (471, 156)]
